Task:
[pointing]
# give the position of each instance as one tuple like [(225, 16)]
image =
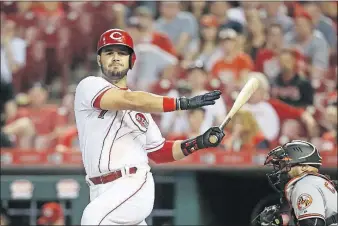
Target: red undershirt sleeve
[(164, 154)]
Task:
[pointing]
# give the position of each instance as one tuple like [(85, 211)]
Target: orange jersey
[(230, 71)]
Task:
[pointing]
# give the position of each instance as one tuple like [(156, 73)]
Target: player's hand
[(213, 131), (202, 141), (270, 216), (185, 103)]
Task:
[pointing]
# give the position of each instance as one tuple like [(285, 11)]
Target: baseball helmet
[(291, 154), (117, 37)]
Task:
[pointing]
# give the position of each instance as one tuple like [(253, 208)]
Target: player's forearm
[(150, 103), (177, 151)]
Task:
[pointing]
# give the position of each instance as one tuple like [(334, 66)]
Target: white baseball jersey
[(312, 196), (110, 140)]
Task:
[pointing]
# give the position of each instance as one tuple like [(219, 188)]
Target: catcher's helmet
[(284, 157), (117, 37)]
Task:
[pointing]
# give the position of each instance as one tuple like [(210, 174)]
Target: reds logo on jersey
[(140, 118), (304, 201)]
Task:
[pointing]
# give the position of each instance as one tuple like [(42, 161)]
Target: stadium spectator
[(208, 40), (51, 214), (7, 110), (330, 10), (21, 130), (289, 86), (233, 67), (40, 114), (311, 45), (271, 113), (197, 79), (181, 27), (244, 134), (194, 123), (291, 130), (13, 50), (198, 8), (274, 14), (68, 135), (267, 60), (322, 23), (220, 10), (149, 35), (329, 138), (255, 38), (152, 62), (119, 12)]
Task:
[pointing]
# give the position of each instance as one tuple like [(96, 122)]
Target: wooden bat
[(250, 87)]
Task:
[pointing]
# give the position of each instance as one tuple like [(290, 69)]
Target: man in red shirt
[(267, 58), (41, 115), (232, 69), (148, 34)]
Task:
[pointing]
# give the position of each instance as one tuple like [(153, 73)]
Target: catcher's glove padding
[(202, 141), (184, 103), (271, 216)]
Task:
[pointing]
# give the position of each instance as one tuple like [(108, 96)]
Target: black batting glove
[(184, 103), (191, 145)]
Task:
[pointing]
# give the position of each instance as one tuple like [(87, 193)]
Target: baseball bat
[(250, 87)]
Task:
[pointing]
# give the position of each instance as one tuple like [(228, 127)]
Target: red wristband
[(169, 104)]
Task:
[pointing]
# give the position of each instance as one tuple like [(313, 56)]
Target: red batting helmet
[(117, 37)]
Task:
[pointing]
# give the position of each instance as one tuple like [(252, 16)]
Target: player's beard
[(113, 76)]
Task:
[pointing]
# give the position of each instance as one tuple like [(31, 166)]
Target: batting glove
[(184, 103)]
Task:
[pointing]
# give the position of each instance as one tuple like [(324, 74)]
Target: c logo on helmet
[(116, 35)]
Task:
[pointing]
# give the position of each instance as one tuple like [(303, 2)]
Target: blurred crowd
[(182, 49)]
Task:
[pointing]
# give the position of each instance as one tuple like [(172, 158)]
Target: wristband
[(169, 104), (191, 145)]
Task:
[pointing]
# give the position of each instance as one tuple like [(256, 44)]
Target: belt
[(111, 176), (332, 220)]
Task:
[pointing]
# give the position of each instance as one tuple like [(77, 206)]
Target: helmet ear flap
[(132, 60)]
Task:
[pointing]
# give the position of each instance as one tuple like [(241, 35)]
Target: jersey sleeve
[(154, 137), (308, 203), (88, 90)]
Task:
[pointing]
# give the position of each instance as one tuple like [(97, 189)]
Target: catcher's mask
[(283, 158)]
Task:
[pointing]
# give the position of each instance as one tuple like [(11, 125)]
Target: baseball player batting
[(310, 196), (117, 136)]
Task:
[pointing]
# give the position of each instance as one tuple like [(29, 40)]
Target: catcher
[(312, 197)]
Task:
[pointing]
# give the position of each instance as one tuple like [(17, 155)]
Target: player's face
[(114, 62)]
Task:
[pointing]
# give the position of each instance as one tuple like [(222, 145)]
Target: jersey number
[(102, 113), (330, 187)]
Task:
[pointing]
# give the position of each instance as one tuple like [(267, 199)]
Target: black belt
[(332, 220)]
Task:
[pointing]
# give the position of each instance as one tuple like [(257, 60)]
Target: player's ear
[(98, 60)]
